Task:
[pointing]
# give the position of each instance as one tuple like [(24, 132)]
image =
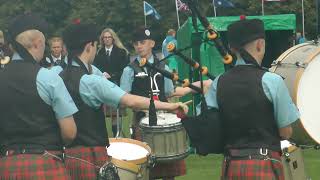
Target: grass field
[(209, 167)]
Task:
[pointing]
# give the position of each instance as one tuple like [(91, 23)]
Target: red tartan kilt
[(80, 170), (255, 169), (171, 169), (32, 166)]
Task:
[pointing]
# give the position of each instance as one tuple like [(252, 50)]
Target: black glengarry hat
[(142, 34), (76, 35), (26, 22), (244, 31)]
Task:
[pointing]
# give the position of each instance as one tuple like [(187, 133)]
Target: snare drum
[(292, 161), (131, 157), (168, 139), (300, 66)]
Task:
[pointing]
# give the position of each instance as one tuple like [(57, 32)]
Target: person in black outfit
[(111, 59)]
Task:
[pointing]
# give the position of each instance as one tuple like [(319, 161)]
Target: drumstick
[(188, 102)]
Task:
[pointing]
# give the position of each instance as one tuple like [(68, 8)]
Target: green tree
[(125, 15)]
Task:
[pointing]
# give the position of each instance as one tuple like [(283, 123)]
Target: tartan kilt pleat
[(170, 169), (32, 167), (83, 163), (254, 169)]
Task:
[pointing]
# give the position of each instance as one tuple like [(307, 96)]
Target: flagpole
[(145, 17), (262, 6), (178, 19), (214, 9), (302, 10)]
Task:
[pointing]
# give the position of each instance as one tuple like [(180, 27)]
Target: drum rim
[(298, 74), (126, 165), (136, 142), (160, 126)]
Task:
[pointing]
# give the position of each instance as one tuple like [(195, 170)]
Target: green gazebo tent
[(280, 31)]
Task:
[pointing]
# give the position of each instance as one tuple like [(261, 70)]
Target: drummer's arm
[(285, 111), (142, 103), (285, 132), (68, 129), (182, 91)]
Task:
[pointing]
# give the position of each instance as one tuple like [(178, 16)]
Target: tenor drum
[(292, 161), (131, 157), (300, 66), (168, 139)]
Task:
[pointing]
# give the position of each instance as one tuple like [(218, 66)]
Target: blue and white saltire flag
[(149, 10), (222, 3)]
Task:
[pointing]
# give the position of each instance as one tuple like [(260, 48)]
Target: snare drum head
[(308, 98), (127, 151), (163, 119)]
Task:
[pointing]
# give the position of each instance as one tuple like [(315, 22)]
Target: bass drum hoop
[(299, 73)]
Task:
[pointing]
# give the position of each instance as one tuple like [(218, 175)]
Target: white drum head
[(308, 98), (126, 151), (163, 119)]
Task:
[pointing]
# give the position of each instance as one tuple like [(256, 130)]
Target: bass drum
[(300, 67)]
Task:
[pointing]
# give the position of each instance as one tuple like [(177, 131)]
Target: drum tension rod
[(299, 64)]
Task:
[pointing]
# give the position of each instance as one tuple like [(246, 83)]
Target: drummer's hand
[(106, 75), (181, 108)]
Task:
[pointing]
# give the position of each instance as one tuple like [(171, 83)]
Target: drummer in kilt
[(36, 109), (255, 107), (90, 90), (140, 85)]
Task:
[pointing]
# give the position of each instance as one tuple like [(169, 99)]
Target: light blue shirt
[(285, 111), (127, 79), (53, 92), (95, 89)]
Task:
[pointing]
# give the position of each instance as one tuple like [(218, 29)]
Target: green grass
[(209, 167)]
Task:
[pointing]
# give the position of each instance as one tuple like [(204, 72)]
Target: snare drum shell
[(168, 143), (126, 170)]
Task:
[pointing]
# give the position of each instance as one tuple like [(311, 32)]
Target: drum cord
[(302, 146), (82, 160), (305, 146)]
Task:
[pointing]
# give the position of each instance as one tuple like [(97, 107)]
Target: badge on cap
[(147, 32)]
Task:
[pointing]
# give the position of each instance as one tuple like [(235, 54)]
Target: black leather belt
[(11, 152), (25, 149), (238, 154)]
